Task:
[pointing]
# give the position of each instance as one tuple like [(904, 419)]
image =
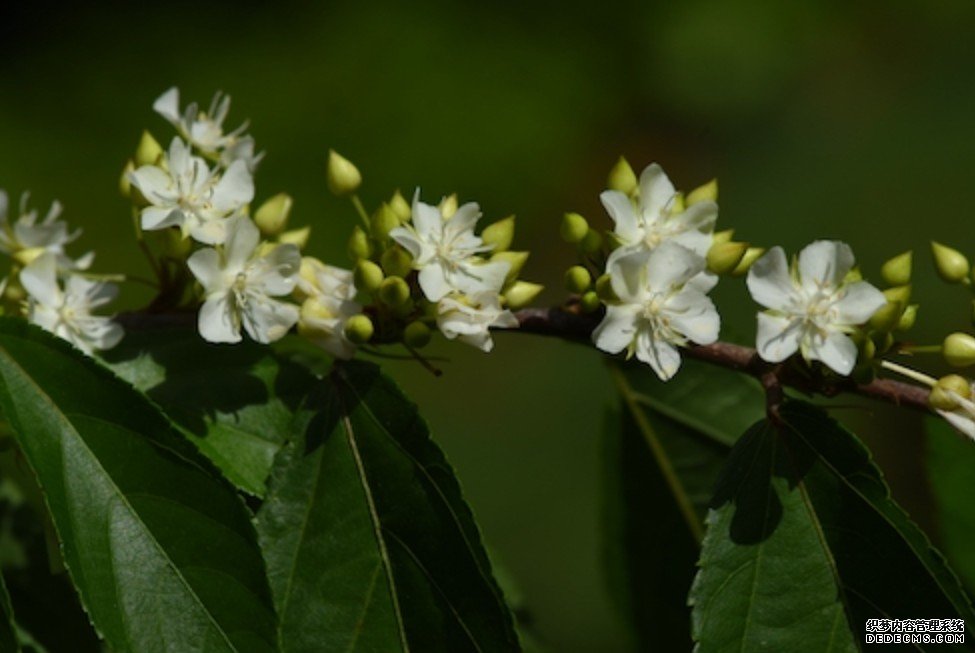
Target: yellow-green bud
[(14, 292), (310, 267), (853, 275), (577, 279), (622, 177), (359, 329), (367, 275), (383, 221), (752, 254), (272, 216), (394, 292), (908, 317), (868, 349), (951, 264), (26, 256), (592, 243), (959, 350), (574, 228), (359, 245), (396, 261), (342, 175), (124, 183), (149, 152), (604, 289), (448, 206), (589, 302), (400, 206), (883, 340), (723, 258), (417, 335), (515, 260), (897, 270), (521, 294), (944, 395), (704, 193), (887, 316), (296, 237), (677, 204), (900, 294), (613, 241), (500, 234), (722, 236)]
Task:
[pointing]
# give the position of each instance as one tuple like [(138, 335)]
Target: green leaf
[(9, 641), (804, 544), (236, 403), (950, 462), (369, 544), (161, 550)]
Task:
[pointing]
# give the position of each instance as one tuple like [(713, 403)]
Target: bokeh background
[(849, 120)]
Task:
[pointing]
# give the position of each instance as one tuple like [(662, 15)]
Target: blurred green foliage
[(821, 119)]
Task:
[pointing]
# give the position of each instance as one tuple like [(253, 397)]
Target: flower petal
[(242, 239), (670, 265), (41, 281), (837, 351), (472, 277), (656, 190), (433, 282), (693, 314), (859, 302), (427, 219), (218, 321), (617, 330), (409, 240), (621, 210), (205, 264), (235, 188), (825, 262), (154, 183), (267, 320), (167, 105), (277, 272), (777, 337), (627, 273), (662, 356), (769, 280), (157, 217)]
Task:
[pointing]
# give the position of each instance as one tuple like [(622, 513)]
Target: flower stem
[(921, 349), (920, 377), (361, 210)]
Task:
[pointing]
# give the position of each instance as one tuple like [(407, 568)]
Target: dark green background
[(821, 119)]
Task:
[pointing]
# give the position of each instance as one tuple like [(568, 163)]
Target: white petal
[(627, 273), (777, 337), (704, 282), (617, 330), (859, 302), (621, 210), (433, 282), (180, 157), (670, 265), (409, 240), (769, 280), (662, 356), (154, 183), (155, 217), (234, 189), (693, 314), (427, 219), (836, 351), (482, 341), (700, 216), (656, 191), (825, 262), (209, 232), (40, 280), (218, 321), (242, 239), (472, 277), (697, 241), (463, 220), (963, 422), (167, 105), (267, 320), (278, 271), (205, 264)]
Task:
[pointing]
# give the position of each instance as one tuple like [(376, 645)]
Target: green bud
[(613, 241), (359, 245), (883, 341), (604, 289), (853, 275), (296, 237), (577, 279), (149, 152), (417, 335), (574, 228), (951, 264), (592, 243), (383, 221), (448, 206), (944, 395), (521, 294), (908, 317), (396, 261), (900, 294), (887, 316), (722, 236), (400, 206), (342, 175), (704, 193), (272, 216), (124, 183), (622, 177), (394, 292), (359, 329), (516, 261), (959, 350), (868, 349), (723, 258), (500, 234), (677, 205), (897, 270), (368, 276), (752, 254), (589, 302)]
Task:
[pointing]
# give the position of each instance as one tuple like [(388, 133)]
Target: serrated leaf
[(236, 403), (161, 550), (805, 544), (370, 546)]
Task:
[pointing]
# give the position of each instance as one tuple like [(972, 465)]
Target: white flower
[(67, 312), (204, 130), (660, 308), (654, 220), (329, 305), (239, 283), (28, 238), (468, 318), (191, 196), (445, 251), (812, 309)]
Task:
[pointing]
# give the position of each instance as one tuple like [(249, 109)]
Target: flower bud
[(589, 302), (359, 245), (394, 291), (417, 335), (359, 329), (272, 216), (383, 221), (516, 261), (26, 256), (521, 294), (887, 317), (752, 254), (396, 261), (883, 341), (577, 279), (296, 237), (951, 264), (125, 182), (854, 275), (897, 270), (574, 228), (500, 234), (368, 276), (722, 236), (867, 350), (613, 242), (342, 175), (14, 292), (400, 206), (592, 243), (622, 177), (149, 152), (908, 317), (959, 350), (677, 205), (604, 289), (900, 294), (448, 206), (723, 258), (704, 193), (944, 395)]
